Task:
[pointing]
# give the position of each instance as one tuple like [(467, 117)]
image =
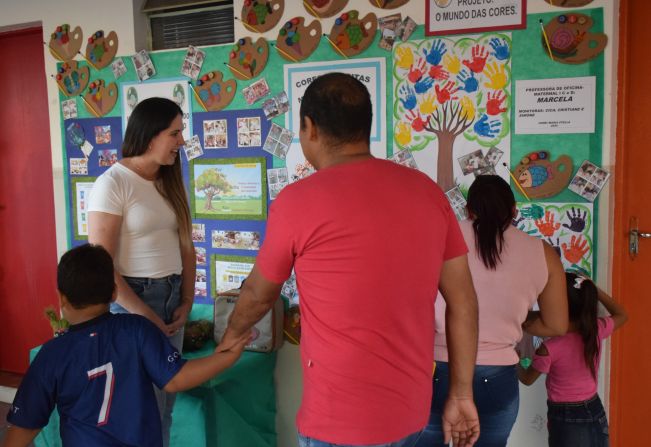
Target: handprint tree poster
[(452, 98), (568, 227)]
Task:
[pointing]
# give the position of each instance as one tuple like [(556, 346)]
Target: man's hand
[(460, 421)]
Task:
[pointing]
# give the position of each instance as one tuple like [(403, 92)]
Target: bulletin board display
[(239, 142)]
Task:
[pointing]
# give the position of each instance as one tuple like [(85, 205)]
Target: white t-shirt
[(149, 238)]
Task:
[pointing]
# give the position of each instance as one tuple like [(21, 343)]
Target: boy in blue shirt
[(100, 373)]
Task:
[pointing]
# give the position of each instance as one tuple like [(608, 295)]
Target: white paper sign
[(371, 72), (471, 16), (131, 93), (560, 105), (82, 191)]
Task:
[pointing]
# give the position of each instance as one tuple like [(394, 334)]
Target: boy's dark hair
[(85, 276), (491, 202), (340, 107), (583, 304)]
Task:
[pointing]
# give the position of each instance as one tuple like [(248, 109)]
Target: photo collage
[(589, 181), (278, 141)]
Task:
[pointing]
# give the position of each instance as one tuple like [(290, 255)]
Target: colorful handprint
[(547, 226), (416, 120), (407, 97), (435, 53), (445, 93), (403, 133), (478, 61), (494, 103), (468, 81), (416, 72), (501, 49), (576, 250), (496, 75), (485, 128), (404, 57), (427, 105)]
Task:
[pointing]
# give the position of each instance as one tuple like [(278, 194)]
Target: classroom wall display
[(572, 40), (64, 44), (453, 17), (350, 34), (568, 227), (452, 99), (176, 89), (101, 49)]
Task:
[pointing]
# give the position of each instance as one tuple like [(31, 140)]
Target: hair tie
[(578, 281)]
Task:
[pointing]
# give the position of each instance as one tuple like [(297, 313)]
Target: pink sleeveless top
[(505, 295)]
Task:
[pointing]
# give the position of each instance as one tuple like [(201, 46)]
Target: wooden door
[(27, 229), (631, 359)]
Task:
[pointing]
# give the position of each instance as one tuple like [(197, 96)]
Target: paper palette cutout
[(351, 34), (296, 41), (569, 3), (388, 4), (100, 49), (215, 93), (72, 78), (570, 39), (540, 177), (247, 60), (101, 97), (262, 15), (65, 44), (324, 8)]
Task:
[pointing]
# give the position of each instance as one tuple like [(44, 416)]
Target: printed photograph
[(201, 255), (69, 109), (102, 134), (107, 157), (192, 63), (215, 135), (278, 141), (472, 162), (193, 148), (493, 156), (143, 64), (389, 26), (248, 132), (239, 240), (198, 232), (275, 106), (405, 158), (118, 68), (277, 179), (78, 166), (256, 91)]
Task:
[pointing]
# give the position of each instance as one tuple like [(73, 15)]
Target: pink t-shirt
[(504, 295), (367, 240), (568, 377)]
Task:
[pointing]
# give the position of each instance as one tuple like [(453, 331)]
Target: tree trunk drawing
[(447, 122), (208, 205)]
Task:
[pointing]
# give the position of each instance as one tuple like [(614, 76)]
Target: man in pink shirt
[(370, 242)]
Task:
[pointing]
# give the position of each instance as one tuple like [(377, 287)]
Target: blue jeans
[(497, 398), (577, 424), (163, 295), (409, 441)]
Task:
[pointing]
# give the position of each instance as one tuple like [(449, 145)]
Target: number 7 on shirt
[(107, 369)]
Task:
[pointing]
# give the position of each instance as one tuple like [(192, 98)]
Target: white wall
[(118, 16)]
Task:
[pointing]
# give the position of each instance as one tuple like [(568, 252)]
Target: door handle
[(634, 236)]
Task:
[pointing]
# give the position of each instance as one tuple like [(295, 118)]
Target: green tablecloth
[(234, 409)]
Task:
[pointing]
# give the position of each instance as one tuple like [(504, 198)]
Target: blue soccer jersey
[(99, 375)]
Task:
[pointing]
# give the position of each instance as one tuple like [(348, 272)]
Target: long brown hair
[(582, 300), (150, 117), (490, 202)]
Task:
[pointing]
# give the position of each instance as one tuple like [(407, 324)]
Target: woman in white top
[(138, 211)]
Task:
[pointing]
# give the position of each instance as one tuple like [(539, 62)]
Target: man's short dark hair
[(340, 107), (85, 276)]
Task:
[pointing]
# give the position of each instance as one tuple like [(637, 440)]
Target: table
[(234, 409)]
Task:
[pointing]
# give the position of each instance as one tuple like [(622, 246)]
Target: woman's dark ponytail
[(490, 203)]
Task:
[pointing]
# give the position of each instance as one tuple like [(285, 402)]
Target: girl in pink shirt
[(575, 414)]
